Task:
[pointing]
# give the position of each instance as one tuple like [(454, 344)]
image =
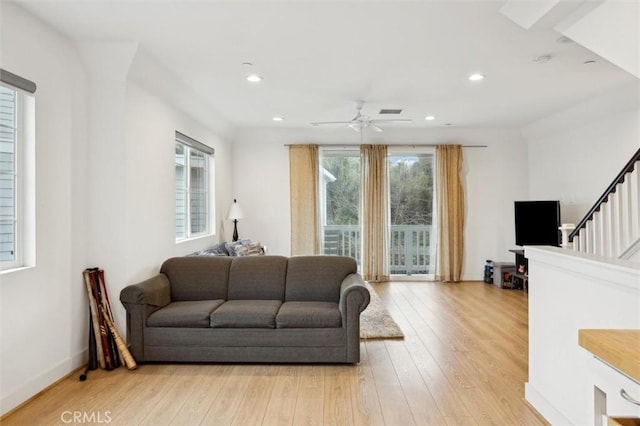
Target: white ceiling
[(318, 57)]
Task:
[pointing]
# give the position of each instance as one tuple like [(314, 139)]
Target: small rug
[(376, 321)]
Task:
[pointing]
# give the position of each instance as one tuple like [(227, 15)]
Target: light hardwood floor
[(463, 362)]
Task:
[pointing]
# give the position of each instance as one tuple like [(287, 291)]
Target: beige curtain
[(303, 176), (375, 212), (450, 200)]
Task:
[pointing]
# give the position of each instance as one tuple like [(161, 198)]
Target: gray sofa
[(248, 309)]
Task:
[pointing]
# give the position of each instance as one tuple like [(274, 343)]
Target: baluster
[(634, 183), (607, 228), (583, 239), (616, 222), (598, 232), (626, 207), (590, 232)]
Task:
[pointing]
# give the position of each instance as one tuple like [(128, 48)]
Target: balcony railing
[(409, 251)]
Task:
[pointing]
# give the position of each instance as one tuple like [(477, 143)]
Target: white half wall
[(569, 291), (494, 177)]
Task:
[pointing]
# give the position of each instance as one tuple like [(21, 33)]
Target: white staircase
[(612, 226)]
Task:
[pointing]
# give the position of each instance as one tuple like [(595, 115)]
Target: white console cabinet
[(614, 375)]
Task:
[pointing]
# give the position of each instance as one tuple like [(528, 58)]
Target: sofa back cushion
[(197, 278), (317, 278), (257, 278)]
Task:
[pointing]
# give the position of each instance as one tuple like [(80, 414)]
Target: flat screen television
[(537, 223)]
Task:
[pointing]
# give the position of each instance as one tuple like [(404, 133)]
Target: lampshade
[(235, 212)]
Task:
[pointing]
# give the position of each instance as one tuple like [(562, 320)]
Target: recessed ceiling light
[(278, 118), (430, 117), (254, 78), (476, 77)]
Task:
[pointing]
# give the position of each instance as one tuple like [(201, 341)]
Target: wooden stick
[(104, 300), (104, 334), (94, 317), (122, 347)]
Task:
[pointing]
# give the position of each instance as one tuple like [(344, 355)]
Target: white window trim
[(189, 145), (25, 231)]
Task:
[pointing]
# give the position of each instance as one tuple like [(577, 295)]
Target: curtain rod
[(389, 146)]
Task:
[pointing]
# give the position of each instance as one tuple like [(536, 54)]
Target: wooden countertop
[(618, 348)]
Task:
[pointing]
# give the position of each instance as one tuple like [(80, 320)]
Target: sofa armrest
[(354, 295), (155, 292), (141, 300), (354, 298)]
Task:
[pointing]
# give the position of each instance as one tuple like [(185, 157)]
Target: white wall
[(43, 310), (42, 316), (575, 154), (494, 177), (150, 198)]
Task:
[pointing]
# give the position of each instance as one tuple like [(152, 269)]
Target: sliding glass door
[(340, 202), (411, 196), (411, 199)]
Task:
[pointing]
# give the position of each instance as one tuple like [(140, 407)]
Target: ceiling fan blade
[(375, 128), (322, 123), (391, 120), (355, 126)]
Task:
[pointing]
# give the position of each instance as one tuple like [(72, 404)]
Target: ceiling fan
[(361, 122)]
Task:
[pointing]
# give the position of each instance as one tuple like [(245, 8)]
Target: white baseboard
[(543, 406), (471, 277), (43, 380)]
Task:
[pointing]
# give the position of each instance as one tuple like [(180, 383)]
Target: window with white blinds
[(8, 178), (192, 188), (17, 172)]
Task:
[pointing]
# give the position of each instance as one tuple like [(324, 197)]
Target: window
[(193, 164), (17, 177)]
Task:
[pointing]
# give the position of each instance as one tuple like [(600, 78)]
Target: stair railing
[(628, 168)]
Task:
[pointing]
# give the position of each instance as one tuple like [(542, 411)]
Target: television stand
[(521, 277)]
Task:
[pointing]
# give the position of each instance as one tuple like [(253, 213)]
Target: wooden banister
[(610, 189)]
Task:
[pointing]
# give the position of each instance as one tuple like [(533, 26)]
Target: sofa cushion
[(257, 278), (246, 314), (195, 313), (317, 278), (308, 315), (197, 278)]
